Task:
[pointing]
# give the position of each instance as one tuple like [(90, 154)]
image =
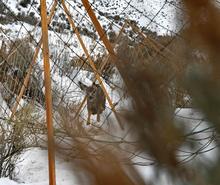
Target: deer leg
[(98, 117), (98, 114), (88, 119)]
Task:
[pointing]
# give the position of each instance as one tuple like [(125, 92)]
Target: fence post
[(100, 70), (91, 63), (48, 95), (98, 27), (27, 77)]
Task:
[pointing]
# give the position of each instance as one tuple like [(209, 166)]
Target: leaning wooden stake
[(27, 77), (98, 27), (48, 95), (105, 62), (91, 62)]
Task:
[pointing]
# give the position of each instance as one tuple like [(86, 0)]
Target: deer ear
[(82, 86)]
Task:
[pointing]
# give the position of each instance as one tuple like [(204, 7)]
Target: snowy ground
[(33, 169)]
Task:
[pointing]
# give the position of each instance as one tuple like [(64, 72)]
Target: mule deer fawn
[(95, 100)]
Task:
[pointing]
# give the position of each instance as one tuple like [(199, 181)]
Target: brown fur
[(95, 100)]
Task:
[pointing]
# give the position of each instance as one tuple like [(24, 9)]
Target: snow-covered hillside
[(156, 15), (21, 18)]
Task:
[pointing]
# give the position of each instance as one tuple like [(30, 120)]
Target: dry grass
[(152, 119)]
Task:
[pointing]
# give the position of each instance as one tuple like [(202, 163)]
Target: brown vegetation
[(152, 119), (15, 61)]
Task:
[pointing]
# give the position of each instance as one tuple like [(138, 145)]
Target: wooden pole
[(48, 95), (98, 27), (101, 69), (91, 62), (27, 77)]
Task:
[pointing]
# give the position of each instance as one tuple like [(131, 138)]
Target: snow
[(33, 170), (12, 4), (6, 181), (156, 15)]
